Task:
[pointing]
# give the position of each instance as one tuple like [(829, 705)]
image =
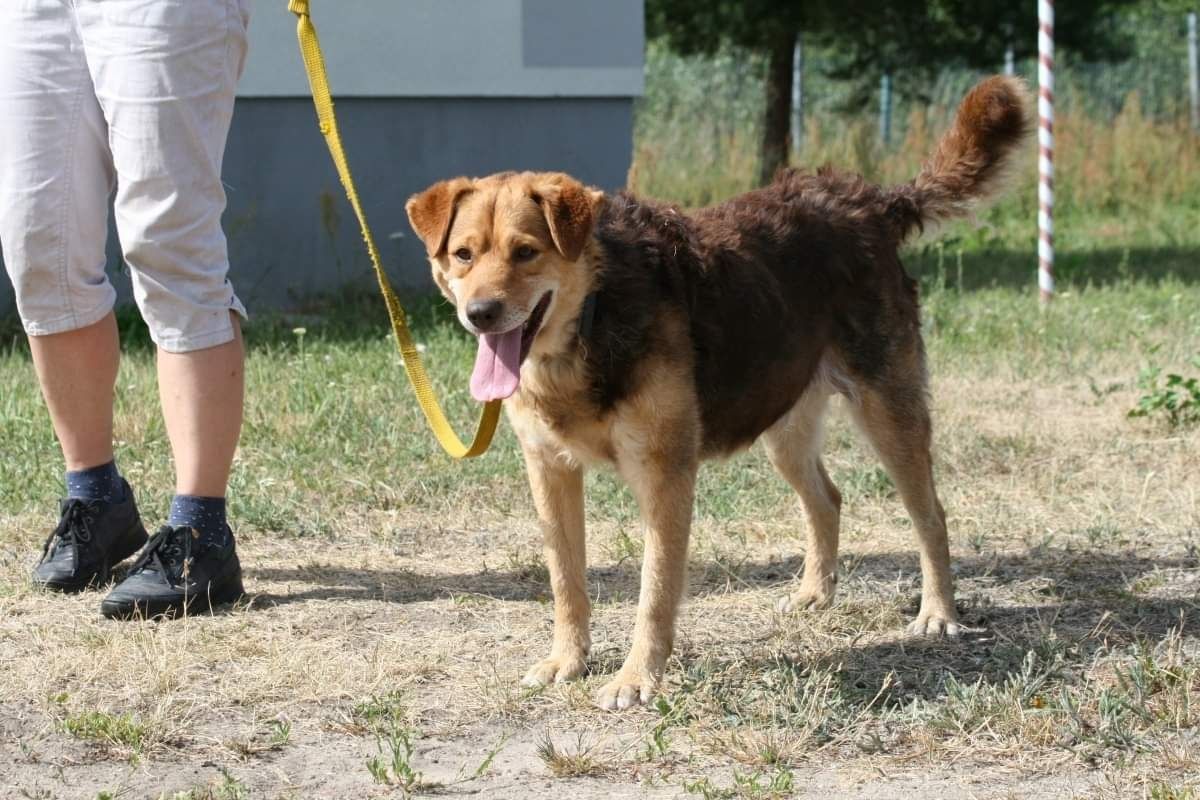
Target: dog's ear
[(570, 210), (431, 212)]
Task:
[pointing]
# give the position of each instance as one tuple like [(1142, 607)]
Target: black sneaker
[(91, 538), (177, 573)]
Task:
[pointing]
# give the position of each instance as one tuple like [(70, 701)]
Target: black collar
[(587, 316)]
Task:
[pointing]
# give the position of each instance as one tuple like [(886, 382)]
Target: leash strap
[(314, 66)]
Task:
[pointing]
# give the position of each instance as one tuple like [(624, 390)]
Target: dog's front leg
[(558, 494), (664, 485)]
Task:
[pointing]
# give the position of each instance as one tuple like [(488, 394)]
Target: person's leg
[(201, 394), (55, 178), (165, 73), (77, 371)]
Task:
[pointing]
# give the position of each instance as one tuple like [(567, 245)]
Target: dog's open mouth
[(497, 372)]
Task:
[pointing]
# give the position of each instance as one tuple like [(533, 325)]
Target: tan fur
[(654, 443), (557, 486), (902, 437), (794, 448), (493, 216), (811, 260), (432, 211), (654, 437)]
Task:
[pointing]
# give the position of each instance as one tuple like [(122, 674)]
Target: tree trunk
[(776, 119)]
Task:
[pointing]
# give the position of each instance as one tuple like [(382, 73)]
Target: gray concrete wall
[(291, 231), (453, 48)]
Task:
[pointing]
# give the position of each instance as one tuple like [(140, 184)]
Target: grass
[(1128, 176), (394, 591), (1177, 400), (393, 765), (120, 730), (226, 788), (572, 760), (396, 597), (413, 594)]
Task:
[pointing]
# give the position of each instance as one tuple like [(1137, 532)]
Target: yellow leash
[(314, 65)]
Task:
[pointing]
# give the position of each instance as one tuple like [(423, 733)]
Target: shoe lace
[(169, 552), (75, 525)]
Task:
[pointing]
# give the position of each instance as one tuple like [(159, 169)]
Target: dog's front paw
[(628, 689), (556, 669), (806, 598), (935, 625)]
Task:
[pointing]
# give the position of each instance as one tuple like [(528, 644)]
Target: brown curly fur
[(711, 330)]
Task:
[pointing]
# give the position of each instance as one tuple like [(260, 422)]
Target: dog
[(624, 332)]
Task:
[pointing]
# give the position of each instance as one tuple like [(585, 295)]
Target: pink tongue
[(497, 366)]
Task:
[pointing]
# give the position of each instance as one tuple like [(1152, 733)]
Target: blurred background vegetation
[(1127, 161)]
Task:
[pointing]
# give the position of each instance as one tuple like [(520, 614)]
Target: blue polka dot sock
[(96, 483), (205, 514)]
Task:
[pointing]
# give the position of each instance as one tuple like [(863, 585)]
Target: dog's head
[(510, 252)]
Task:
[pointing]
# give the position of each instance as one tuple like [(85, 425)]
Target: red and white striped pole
[(1046, 149)]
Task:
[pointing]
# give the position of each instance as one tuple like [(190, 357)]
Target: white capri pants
[(134, 96)]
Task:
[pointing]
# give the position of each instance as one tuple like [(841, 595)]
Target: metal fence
[(720, 95)]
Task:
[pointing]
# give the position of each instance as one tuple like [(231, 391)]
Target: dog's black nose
[(484, 314)]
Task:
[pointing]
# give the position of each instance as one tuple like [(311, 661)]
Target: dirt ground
[(1075, 542)]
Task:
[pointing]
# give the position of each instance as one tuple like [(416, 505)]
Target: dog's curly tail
[(972, 161)]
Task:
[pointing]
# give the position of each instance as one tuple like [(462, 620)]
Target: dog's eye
[(524, 253), (463, 255)]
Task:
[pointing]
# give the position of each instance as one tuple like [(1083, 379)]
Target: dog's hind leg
[(794, 448), (558, 495), (896, 420)]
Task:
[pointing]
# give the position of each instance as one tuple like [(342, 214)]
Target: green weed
[(122, 730), (1175, 399), (750, 786), (381, 712), (229, 788), (393, 766), (281, 732), (529, 567)]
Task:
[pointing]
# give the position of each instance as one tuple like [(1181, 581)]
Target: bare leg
[(77, 371), (201, 393), (900, 430), (794, 448), (558, 495)]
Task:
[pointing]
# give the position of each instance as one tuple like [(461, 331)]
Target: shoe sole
[(133, 540), (229, 592)]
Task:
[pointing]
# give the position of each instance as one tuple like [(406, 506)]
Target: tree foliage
[(899, 34), (909, 38)]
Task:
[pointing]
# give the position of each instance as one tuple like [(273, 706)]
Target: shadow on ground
[(404, 586), (1073, 269), (1087, 605)]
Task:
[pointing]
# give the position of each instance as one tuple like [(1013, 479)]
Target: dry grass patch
[(396, 598)]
